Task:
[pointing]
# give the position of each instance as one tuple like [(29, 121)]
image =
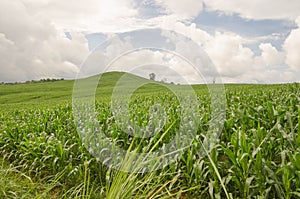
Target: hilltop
[(53, 92), (45, 93)]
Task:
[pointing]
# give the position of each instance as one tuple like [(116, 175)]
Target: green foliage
[(258, 154)]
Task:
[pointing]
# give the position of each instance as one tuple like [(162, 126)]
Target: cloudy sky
[(254, 41)]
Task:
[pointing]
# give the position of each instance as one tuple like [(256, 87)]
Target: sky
[(254, 41)]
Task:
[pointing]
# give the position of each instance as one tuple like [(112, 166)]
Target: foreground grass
[(17, 184)]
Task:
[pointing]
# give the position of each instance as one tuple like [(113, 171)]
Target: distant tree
[(152, 76), (164, 80), (214, 80)]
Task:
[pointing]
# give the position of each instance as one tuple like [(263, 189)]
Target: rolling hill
[(52, 93), (26, 95)]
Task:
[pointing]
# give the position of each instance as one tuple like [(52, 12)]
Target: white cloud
[(119, 54), (257, 9), (270, 55), (235, 62), (33, 43), (104, 55), (291, 47), (263, 76), (229, 55), (32, 48), (189, 30), (87, 15), (164, 64), (187, 9)]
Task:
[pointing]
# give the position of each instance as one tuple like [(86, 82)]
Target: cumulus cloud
[(164, 64), (32, 47), (104, 55), (124, 53), (189, 30), (291, 47), (234, 61), (84, 15), (33, 43), (229, 55), (270, 55), (257, 9), (184, 9), (263, 76)]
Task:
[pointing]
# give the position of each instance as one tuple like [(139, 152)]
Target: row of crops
[(257, 154)]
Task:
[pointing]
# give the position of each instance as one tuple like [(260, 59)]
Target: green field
[(43, 156)]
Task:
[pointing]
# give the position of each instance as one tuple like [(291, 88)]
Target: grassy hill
[(26, 95), (51, 93)]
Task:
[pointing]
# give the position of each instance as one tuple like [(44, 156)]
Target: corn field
[(257, 154)]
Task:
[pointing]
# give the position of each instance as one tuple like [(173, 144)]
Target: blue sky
[(212, 21), (247, 41), (215, 20)]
